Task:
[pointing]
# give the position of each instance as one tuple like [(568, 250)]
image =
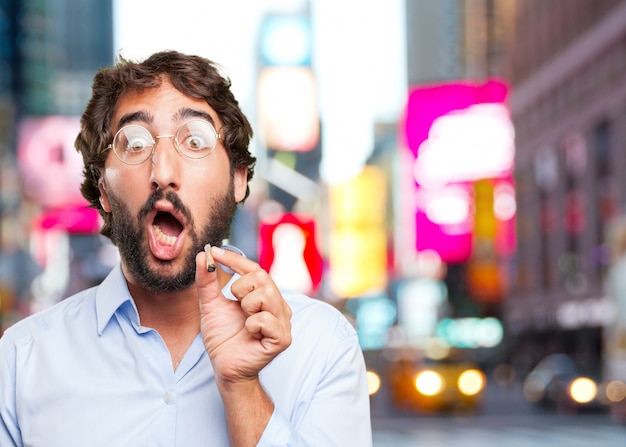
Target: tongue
[(165, 240), (168, 224)]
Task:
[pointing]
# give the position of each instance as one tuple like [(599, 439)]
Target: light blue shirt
[(87, 373)]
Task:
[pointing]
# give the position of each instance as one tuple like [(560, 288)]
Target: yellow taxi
[(426, 385)]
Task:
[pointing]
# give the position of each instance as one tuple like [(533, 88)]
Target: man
[(169, 350)]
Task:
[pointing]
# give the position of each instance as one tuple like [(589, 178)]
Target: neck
[(169, 310)]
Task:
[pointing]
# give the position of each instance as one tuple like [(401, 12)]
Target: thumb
[(206, 276)]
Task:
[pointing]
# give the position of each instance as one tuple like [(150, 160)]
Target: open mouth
[(167, 228)]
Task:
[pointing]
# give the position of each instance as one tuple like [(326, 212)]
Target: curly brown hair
[(194, 76)]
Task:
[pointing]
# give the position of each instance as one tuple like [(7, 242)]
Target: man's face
[(166, 209)]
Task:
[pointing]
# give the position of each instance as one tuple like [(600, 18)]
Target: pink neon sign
[(456, 133)]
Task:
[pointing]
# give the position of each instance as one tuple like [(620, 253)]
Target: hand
[(241, 337)]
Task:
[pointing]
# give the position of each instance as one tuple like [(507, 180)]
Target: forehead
[(160, 106)]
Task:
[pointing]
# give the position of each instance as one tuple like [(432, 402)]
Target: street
[(505, 419), (554, 431)]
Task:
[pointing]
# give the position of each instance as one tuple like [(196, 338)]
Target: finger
[(274, 334), (255, 286), (236, 262), (265, 298), (205, 279), (256, 280)]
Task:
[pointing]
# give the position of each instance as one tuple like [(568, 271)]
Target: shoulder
[(324, 344), (319, 317), (58, 317)]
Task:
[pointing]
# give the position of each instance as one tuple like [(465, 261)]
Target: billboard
[(288, 251), (456, 134), (49, 164), (358, 237)]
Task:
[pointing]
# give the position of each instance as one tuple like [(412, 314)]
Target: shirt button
[(168, 398)]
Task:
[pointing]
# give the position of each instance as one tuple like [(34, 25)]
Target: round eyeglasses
[(134, 144)]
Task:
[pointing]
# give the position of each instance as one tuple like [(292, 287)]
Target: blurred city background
[(451, 174)]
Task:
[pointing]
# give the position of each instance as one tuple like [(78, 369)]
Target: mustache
[(171, 197)]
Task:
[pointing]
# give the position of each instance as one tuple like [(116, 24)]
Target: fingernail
[(218, 250)]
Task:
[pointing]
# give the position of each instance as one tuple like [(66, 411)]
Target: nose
[(165, 165)]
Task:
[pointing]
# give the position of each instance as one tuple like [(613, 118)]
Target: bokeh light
[(471, 382), (429, 383), (583, 390), (373, 382)]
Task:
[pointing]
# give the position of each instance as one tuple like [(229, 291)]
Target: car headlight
[(429, 383), (471, 382), (583, 390)]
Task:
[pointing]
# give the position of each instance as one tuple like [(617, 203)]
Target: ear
[(104, 196), (240, 181)]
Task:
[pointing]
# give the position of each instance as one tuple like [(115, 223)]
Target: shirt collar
[(111, 294)]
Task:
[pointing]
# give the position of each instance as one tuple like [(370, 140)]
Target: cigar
[(210, 263)]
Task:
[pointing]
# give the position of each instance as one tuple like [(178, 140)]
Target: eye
[(196, 137), (137, 144), (133, 139), (196, 142)]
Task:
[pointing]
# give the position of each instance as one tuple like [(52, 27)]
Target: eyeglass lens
[(134, 144)]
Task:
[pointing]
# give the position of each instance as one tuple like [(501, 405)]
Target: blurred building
[(454, 58), (455, 39), (566, 62), (49, 52), (58, 45)]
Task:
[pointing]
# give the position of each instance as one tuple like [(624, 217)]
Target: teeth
[(164, 238)]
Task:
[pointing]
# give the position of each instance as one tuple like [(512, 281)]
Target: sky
[(359, 59)]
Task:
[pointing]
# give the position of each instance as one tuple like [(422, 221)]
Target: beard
[(132, 242)]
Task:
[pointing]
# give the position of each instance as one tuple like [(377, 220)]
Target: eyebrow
[(141, 116), (185, 113), (146, 117)]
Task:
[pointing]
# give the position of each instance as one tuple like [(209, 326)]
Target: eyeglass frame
[(156, 138)]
